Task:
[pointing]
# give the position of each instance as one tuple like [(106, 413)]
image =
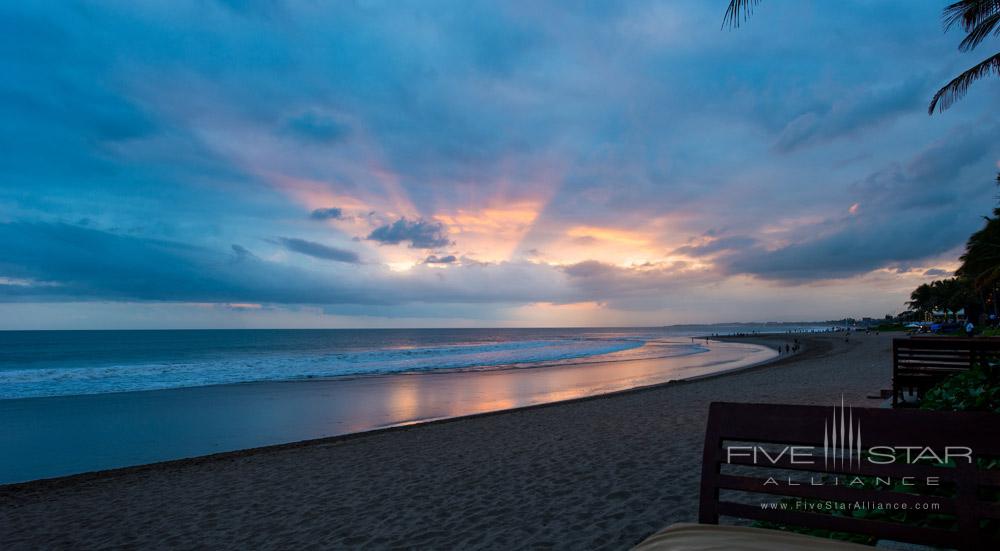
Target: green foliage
[(977, 389), (981, 261), (977, 18), (948, 295)]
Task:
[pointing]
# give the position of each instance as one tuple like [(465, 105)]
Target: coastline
[(612, 418), (59, 481), (65, 435)]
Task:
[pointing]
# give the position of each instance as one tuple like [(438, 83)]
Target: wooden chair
[(741, 478), (920, 363)]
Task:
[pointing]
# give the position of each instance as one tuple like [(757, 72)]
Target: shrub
[(977, 389)]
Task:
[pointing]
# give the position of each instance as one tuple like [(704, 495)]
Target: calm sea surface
[(77, 401)]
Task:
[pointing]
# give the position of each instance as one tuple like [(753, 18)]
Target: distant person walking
[(969, 329)]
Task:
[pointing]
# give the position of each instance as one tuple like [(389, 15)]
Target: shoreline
[(60, 481), (67, 435), (571, 465), (577, 361)]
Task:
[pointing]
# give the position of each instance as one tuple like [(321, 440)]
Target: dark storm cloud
[(330, 213), (319, 250), (421, 234)]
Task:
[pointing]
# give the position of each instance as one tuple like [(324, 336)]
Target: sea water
[(76, 401), (62, 363)]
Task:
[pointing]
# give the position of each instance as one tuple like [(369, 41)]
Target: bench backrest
[(832, 432), (920, 363)]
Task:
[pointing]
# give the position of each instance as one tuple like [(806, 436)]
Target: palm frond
[(956, 89), (969, 13), (740, 10), (980, 32)]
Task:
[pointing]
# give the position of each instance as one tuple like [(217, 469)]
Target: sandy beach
[(598, 473)]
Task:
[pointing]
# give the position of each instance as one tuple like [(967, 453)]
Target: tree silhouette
[(978, 18)]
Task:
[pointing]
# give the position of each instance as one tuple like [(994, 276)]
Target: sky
[(452, 164)]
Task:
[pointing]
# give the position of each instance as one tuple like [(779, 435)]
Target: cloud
[(922, 211), (392, 109), (329, 213), (241, 252), (937, 272), (859, 111), (88, 264), (55, 261), (317, 128), (716, 246), (434, 259), (318, 250), (420, 233), (644, 287)]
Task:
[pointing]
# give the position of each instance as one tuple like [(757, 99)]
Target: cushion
[(705, 537)]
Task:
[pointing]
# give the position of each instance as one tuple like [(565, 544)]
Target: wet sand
[(600, 472), (64, 435)]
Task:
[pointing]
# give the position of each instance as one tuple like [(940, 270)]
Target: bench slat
[(839, 493), (866, 469), (774, 426), (886, 530)]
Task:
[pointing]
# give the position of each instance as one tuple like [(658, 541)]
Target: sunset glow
[(405, 171)]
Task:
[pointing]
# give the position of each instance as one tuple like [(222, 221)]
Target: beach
[(601, 472), (60, 435)]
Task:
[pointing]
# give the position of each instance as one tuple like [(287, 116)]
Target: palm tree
[(981, 261), (922, 299), (738, 10), (946, 295), (978, 18), (953, 295)]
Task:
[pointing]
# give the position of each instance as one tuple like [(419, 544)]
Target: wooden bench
[(920, 363), (743, 480)]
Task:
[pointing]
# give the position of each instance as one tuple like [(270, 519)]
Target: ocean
[(78, 401), (64, 363)]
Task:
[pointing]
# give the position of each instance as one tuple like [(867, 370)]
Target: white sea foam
[(63, 381)]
